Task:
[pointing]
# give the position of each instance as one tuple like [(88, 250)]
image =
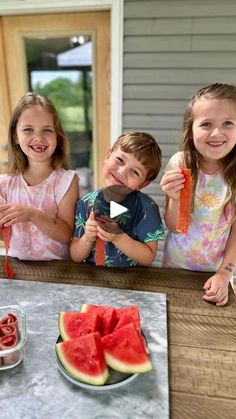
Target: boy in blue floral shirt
[(133, 162)]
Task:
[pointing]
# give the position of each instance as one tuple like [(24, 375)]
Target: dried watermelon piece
[(6, 235), (9, 337), (6, 329), (100, 252), (9, 319), (185, 203)]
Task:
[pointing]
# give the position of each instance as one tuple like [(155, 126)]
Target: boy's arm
[(81, 246), (143, 253)]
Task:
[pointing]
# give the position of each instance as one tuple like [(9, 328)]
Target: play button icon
[(108, 207), (116, 209)]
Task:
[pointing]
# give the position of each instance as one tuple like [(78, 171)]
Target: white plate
[(115, 380)]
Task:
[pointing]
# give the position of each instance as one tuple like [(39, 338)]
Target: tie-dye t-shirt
[(202, 248), (142, 222), (27, 241)]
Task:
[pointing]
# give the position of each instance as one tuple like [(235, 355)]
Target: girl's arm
[(80, 248), (216, 287), (171, 212), (59, 228), (171, 183), (228, 265)]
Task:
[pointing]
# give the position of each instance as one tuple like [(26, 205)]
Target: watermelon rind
[(76, 372), (84, 308), (61, 326), (126, 367)]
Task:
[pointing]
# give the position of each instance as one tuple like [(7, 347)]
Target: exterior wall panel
[(171, 49)]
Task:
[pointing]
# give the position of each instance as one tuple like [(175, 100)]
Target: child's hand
[(108, 230), (91, 228), (216, 289), (12, 214), (172, 182)]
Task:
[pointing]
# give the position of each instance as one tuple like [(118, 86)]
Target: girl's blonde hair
[(17, 160), (144, 148), (193, 158)]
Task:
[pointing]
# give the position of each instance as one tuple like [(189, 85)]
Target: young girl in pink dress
[(38, 195), (209, 150)]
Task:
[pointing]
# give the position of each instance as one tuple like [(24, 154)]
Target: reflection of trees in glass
[(67, 94), (73, 101)]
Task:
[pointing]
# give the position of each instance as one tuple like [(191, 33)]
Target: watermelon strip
[(185, 203), (6, 235), (9, 319), (9, 339), (100, 252), (6, 329)]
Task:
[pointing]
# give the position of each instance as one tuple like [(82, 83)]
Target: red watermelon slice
[(132, 311), (83, 358), (73, 324), (123, 321), (124, 351), (126, 319), (107, 313)]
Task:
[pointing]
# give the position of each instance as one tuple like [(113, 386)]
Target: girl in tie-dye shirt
[(38, 195), (208, 149)]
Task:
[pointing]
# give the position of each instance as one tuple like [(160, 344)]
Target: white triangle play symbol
[(116, 209)]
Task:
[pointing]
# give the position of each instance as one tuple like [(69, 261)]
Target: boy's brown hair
[(144, 148)]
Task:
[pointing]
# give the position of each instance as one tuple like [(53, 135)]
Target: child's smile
[(38, 148), (122, 168), (36, 134), (214, 128)]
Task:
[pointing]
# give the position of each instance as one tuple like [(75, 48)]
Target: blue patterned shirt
[(142, 222)]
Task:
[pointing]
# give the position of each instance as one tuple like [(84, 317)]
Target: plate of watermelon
[(101, 347)]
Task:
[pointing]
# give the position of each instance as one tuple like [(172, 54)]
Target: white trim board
[(21, 7)]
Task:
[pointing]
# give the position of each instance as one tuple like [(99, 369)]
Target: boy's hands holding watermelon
[(108, 230)]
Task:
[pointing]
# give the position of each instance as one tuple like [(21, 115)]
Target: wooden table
[(201, 336)]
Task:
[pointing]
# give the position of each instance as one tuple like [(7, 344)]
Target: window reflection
[(61, 68)]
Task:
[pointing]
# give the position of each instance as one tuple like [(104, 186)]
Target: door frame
[(116, 7)]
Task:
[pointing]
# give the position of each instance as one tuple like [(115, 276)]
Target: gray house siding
[(171, 49)]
